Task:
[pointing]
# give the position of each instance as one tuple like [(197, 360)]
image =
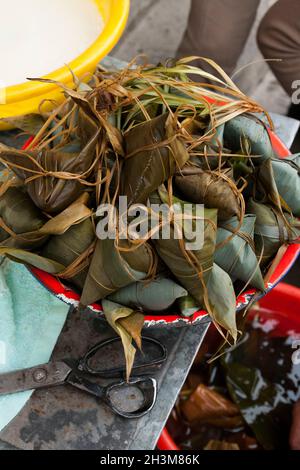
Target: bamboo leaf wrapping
[(254, 131), (271, 231), (121, 269), (49, 191), (206, 187), (287, 176), (155, 296), (237, 257), (146, 170)]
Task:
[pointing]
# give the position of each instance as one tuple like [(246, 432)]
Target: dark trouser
[(218, 29)]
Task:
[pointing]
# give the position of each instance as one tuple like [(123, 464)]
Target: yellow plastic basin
[(26, 97)]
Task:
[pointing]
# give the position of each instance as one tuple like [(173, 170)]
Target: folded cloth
[(31, 319)]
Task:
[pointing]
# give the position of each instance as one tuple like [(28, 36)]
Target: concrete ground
[(155, 28)]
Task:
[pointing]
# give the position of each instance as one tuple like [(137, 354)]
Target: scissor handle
[(146, 385), (147, 368), (121, 393)]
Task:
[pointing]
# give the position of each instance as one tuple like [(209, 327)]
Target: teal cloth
[(31, 319)]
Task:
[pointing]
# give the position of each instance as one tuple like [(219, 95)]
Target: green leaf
[(25, 257), (128, 325)]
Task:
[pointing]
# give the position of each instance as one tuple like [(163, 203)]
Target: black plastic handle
[(130, 400)]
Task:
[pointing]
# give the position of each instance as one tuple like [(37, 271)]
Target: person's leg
[(279, 38), (218, 29)]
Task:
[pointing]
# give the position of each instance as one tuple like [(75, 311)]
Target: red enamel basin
[(282, 307), (69, 296)]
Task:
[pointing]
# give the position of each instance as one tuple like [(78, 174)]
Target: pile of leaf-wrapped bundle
[(154, 136)]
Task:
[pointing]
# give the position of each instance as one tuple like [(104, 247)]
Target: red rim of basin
[(69, 296)]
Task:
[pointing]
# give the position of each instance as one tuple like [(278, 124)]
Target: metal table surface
[(65, 418)]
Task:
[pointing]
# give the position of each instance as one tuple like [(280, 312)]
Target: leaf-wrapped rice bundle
[(212, 158), (146, 169), (20, 219), (222, 301), (213, 189), (253, 131), (210, 162), (48, 189), (271, 230), (287, 176), (192, 273), (156, 296), (69, 247), (113, 267), (265, 188), (207, 406), (61, 227), (237, 257)]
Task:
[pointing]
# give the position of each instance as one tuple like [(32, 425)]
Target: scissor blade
[(44, 375)]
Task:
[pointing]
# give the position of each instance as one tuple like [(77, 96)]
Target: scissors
[(131, 399)]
